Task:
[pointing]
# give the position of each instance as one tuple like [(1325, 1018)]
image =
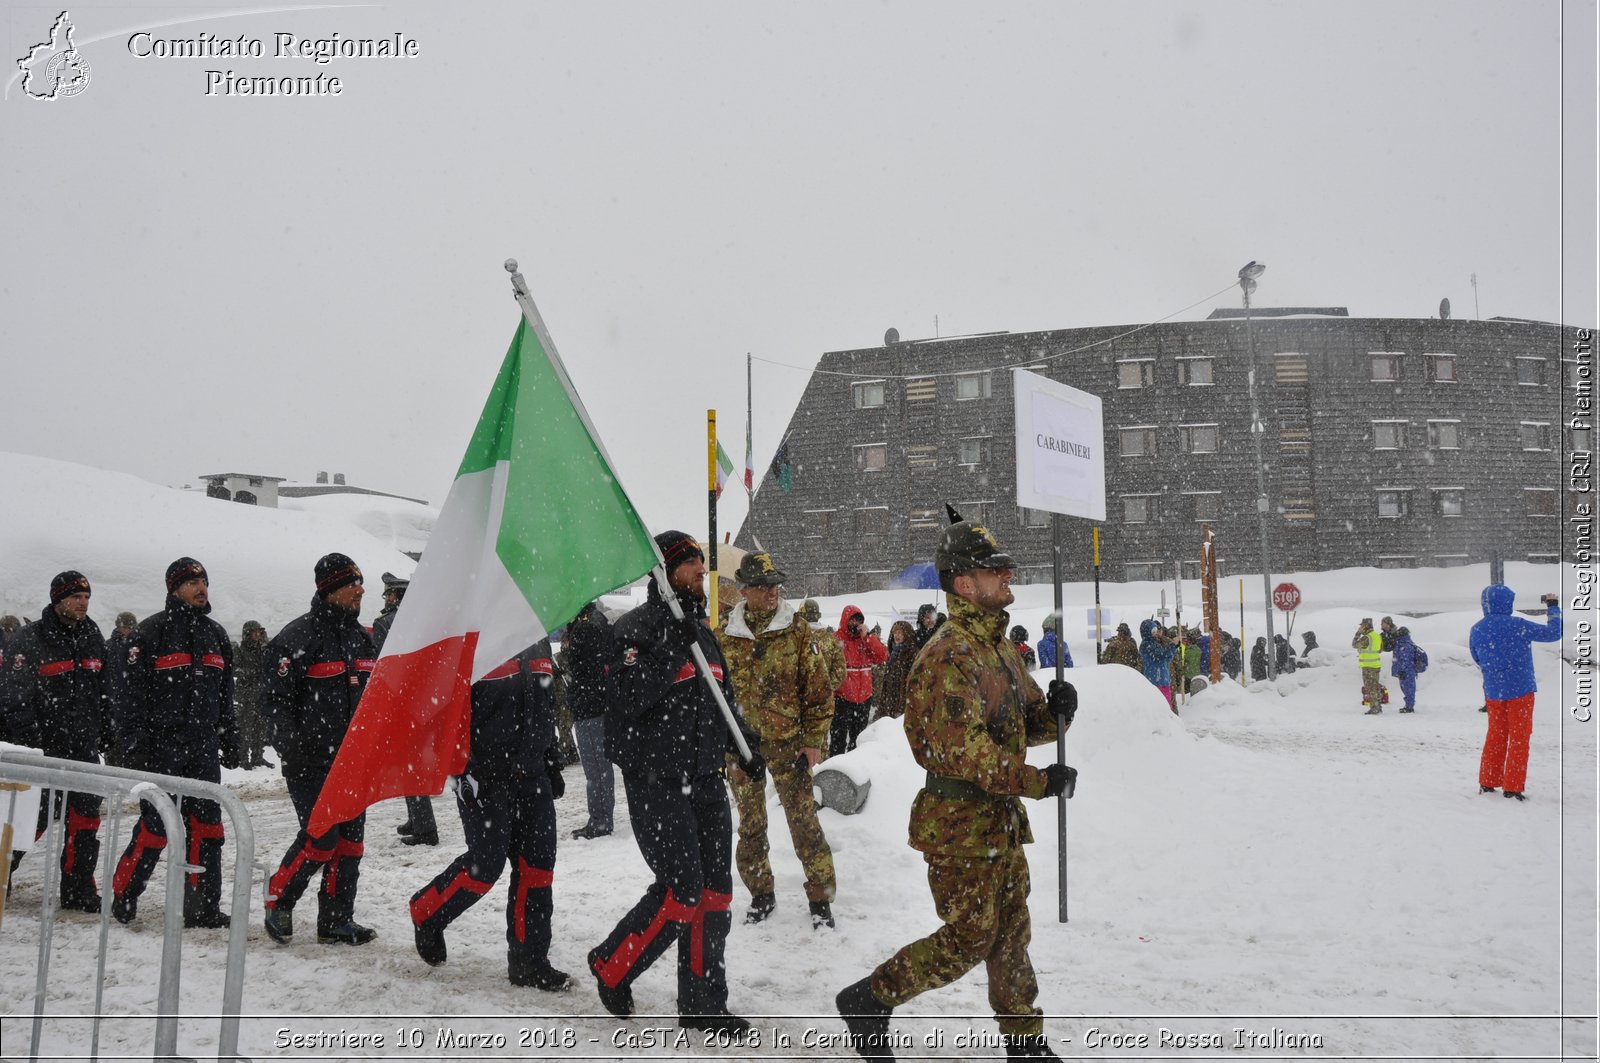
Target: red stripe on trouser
[(342, 849), (612, 971), (286, 873), (424, 906), (76, 821), (709, 902), (198, 833), (529, 878), (143, 840)]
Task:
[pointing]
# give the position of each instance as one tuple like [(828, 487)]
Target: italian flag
[(535, 526), (724, 467)]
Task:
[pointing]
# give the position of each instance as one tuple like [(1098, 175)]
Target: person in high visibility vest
[(1368, 645)]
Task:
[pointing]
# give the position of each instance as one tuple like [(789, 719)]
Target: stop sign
[(1286, 596)]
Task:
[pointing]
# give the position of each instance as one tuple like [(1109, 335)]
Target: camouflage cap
[(757, 570), (810, 611), (964, 546), (253, 625), (127, 619)]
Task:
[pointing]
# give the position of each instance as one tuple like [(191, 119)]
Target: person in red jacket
[(852, 703)]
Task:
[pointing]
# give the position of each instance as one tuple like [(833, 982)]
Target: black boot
[(618, 1001), (867, 1019), (206, 920), (761, 906), (279, 924), (723, 1023), (821, 915), (348, 932), (524, 970), (1029, 1046), (430, 945)]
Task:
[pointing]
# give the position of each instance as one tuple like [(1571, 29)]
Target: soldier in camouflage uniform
[(972, 710), (832, 652), (783, 687)]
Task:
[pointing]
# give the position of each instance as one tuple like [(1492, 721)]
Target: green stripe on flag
[(568, 533)]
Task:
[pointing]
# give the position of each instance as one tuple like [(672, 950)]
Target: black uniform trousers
[(81, 848), (685, 833), (337, 854), (508, 821), (202, 891)]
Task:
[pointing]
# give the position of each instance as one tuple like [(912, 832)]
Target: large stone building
[(1387, 442)]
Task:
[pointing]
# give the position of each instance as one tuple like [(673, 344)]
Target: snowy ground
[(1270, 860)]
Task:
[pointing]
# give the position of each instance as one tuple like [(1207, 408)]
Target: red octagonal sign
[(1286, 596)]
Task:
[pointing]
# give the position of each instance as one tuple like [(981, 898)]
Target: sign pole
[(711, 509), (1061, 723), (1099, 617)]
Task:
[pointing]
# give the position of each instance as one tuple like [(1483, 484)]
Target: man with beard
[(178, 720), (317, 669), (55, 697), (972, 711), (667, 734), (506, 794)]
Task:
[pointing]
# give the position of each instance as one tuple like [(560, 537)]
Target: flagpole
[(531, 313), (711, 511)]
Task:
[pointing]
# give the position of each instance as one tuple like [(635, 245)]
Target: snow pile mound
[(403, 524), (122, 532)]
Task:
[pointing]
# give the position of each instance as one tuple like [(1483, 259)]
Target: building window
[(1138, 509), (1035, 574), (1194, 371), (1396, 561), (1582, 440), (871, 457), (1394, 502), (1033, 518), (1444, 435), (1197, 438), (1385, 365), (1575, 374), (1535, 435), (868, 394), (1138, 442), (1140, 373), (1530, 371), (819, 523), (1540, 501), (972, 386), (1206, 505), (1388, 435), (1544, 559), (872, 522), (1144, 570), (1191, 569), (923, 456), (1452, 560), (875, 580), (923, 519), (1448, 501), (1441, 368), (973, 450)]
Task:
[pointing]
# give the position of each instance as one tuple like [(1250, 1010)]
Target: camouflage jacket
[(779, 676), (832, 657), (972, 711)]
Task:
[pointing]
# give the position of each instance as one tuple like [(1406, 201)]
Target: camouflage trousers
[(792, 777), (984, 906), (1372, 686)]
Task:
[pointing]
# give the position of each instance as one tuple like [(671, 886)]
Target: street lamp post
[(1247, 284)]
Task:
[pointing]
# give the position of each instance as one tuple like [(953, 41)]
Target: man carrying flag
[(664, 730)]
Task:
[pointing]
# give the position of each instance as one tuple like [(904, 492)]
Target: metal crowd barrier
[(115, 783)]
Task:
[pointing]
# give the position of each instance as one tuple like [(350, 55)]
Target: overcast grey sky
[(195, 283)]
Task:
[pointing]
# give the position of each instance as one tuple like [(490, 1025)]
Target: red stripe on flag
[(411, 731)]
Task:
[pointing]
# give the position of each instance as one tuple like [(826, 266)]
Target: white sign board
[(1061, 462)]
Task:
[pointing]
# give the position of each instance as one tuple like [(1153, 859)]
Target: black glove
[(552, 768), (1063, 780), (228, 754), (1063, 700), (756, 766)]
